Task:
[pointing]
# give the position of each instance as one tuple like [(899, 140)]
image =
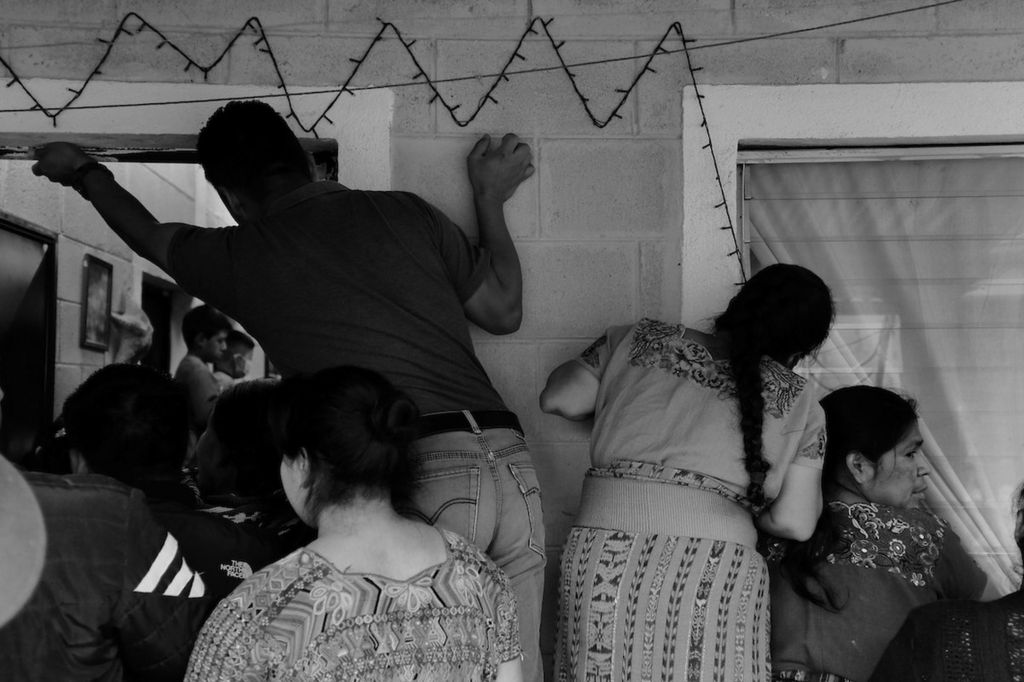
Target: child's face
[(209, 348)]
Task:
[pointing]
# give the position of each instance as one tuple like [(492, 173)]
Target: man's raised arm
[(495, 173), (68, 165)]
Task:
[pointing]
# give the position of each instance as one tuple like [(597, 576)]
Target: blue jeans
[(484, 487)]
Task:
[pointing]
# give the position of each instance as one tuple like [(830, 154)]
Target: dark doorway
[(27, 332), (156, 303)]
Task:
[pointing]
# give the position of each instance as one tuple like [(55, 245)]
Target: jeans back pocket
[(447, 497)]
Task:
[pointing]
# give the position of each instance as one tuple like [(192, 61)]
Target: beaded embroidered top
[(302, 618), (665, 399), (905, 543)]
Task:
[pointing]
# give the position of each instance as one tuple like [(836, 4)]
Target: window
[(924, 251)]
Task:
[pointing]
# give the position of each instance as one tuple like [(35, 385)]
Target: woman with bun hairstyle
[(699, 439), (377, 596), (839, 597)]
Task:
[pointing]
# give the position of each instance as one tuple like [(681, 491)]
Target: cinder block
[(660, 278), (614, 188), (66, 378), (560, 470), (67, 12), (769, 16), (645, 19), (981, 15), (963, 58), (73, 53), (139, 57), (542, 102), (553, 429), (435, 168), (83, 223), (31, 198), (68, 336), (420, 18), (300, 15), (512, 367), (779, 61), (70, 254), (326, 61), (571, 289)]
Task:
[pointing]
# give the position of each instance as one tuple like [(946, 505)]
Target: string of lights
[(132, 24), (710, 146)]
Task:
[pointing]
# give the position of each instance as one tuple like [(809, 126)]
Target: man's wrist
[(80, 173)]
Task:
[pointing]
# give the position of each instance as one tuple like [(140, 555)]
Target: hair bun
[(394, 420)]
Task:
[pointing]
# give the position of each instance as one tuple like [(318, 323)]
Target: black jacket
[(223, 546), (116, 600)]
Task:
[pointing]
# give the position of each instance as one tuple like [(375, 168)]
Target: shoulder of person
[(90, 491)]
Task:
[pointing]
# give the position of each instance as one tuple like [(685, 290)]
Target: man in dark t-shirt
[(324, 275)]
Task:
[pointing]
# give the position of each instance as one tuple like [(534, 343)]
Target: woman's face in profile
[(899, 474)]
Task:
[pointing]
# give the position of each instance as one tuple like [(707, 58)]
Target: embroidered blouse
[(664, 399), (302, 618), (887, 561)]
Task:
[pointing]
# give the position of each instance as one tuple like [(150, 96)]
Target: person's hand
[(58, 161), (496, 171), (134, 336)]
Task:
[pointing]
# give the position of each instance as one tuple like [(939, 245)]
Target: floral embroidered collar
[(904, 542), (664, 346)]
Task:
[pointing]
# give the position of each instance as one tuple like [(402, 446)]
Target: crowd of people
[(375, 515)]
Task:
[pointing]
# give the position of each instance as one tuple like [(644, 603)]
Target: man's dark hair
[(203, 320), (129, 422), (244, 142), (237, 338)]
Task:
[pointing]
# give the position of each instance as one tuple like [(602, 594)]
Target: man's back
[(334, 276), (116, 600)]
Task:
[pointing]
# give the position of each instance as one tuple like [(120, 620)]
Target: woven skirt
[(660, 580)]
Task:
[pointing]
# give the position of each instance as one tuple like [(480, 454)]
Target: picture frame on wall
[(97, 289)]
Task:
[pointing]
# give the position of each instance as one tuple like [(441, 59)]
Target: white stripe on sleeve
[(160, 564), (198, 587), (180, 581)]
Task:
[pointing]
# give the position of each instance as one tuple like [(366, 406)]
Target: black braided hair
[(865, 419), (781, 312)]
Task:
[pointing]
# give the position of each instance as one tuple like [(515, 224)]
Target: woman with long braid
[(699, 439)]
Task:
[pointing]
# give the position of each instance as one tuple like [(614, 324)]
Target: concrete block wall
[(599, 225)]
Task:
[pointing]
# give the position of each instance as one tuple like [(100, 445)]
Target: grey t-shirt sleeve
[(198, 260), (466, 263)]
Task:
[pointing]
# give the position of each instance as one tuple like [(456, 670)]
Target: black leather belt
[(465, 420)]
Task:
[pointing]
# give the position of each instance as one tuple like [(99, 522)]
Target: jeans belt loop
[(472, 422)]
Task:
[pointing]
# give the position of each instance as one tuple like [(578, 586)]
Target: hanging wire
[(133, 24)]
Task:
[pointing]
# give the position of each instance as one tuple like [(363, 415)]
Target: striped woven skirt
[(660, 581)]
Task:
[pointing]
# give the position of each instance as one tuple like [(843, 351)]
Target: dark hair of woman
[(355, 429), (865, 419), (783, 312), (240, 421)]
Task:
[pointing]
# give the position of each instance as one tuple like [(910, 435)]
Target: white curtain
[(926, 262)]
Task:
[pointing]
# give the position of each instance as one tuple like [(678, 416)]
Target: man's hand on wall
[(58, 161), (496, 171)]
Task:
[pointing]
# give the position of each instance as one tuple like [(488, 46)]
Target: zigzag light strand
[(133, 23)]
